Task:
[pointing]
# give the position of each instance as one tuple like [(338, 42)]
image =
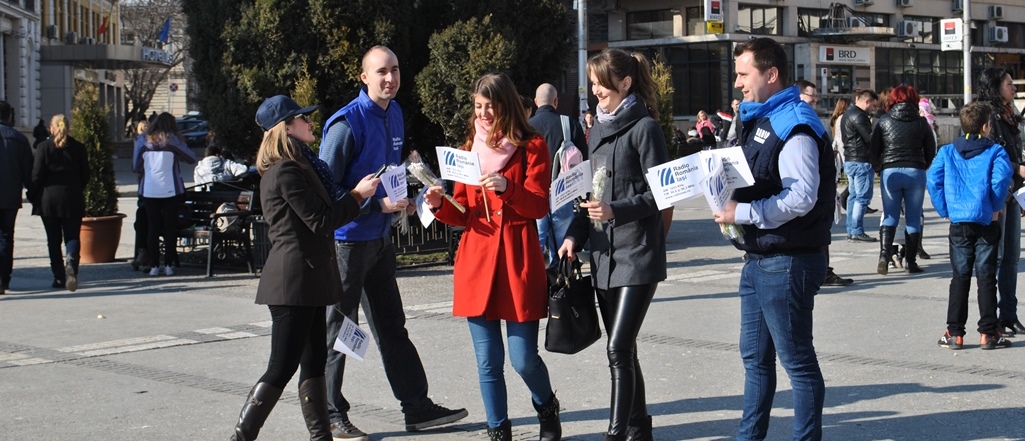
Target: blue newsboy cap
[(279, 108)]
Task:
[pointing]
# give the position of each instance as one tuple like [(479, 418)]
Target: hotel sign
[(844, 55), (156, 55)]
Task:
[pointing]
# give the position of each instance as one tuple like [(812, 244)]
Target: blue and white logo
[(450, 159), (359, 333), (560, 187), (666, 176), (395, 181)]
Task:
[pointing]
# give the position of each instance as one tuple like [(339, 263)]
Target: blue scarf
[(323, 172), (604, 117)]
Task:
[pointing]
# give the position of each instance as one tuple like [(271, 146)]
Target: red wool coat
[(499, 269)]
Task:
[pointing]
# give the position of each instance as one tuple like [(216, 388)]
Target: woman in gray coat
[(625, 229), (302, 208)]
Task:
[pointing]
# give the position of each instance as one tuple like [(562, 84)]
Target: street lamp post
[(966, 30)]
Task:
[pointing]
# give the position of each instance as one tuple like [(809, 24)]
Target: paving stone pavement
[(129, 356)]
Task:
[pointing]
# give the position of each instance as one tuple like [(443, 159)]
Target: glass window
[(649, 24), (928, 30), (808, 20), (695, 21), (759, 20)]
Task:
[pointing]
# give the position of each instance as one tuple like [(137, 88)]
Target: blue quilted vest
[(379, 134)]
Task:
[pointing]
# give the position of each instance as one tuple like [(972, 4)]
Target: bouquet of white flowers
[(597, 187), (422, 173)]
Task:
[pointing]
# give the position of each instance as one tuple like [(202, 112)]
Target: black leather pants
[(622, 311)]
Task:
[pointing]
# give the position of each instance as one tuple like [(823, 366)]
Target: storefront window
[(649, 24), (702, 76), (931, 72), (759, 20)]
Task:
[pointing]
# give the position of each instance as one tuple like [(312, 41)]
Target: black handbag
[(572, 316)]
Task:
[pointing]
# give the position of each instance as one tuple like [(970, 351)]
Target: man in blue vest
[(785, 218), (358, 139)]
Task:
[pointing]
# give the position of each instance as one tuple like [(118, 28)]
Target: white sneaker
[(168, 271), (155, 271)]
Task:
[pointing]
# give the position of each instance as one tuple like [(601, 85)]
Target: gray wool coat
[(629, 249)]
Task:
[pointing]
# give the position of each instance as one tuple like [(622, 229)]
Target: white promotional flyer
[(676, 180), (423, 210), (738, 174), (459, 165), (394, 182), (574, 183), (351, 341)]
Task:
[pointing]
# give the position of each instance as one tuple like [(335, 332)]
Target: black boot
[(501, 433), (313, 400), (914, 242), (261, 401), (921, 251), (548, 416), (885, 248), (639, 430), (611, 437)]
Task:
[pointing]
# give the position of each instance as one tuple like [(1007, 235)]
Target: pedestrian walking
[(785, 218), (902, 147), (510, 284), (363, 136), (300, 277), (856, 130), (60, 173), (15, 174), (623, 225)]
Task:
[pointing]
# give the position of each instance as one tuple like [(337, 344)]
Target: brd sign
[(844, 55)]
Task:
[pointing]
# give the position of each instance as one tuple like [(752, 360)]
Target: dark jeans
[(1008, 255), (297, 338), (162, 214), (777, 297), (368, 277), (973, 246), (622, 311), (7, 218), (62, 230)]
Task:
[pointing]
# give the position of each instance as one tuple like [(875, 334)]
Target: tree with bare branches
[(142, 21)]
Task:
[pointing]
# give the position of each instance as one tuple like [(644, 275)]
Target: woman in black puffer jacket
[(902, 149)]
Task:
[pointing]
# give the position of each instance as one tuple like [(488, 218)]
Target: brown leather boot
[(261, 401), (313, 400)]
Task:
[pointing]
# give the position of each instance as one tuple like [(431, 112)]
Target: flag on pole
[(165, 32), (105, 25)]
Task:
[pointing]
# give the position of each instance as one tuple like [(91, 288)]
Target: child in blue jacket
[(968, 182)]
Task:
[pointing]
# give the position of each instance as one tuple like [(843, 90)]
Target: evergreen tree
[(89, 126)]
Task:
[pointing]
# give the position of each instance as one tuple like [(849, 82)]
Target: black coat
[(856, 131), (59, 177), (902, 139), (301, 267), (549, 123), (15, 166)]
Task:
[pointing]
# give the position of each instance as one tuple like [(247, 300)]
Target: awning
[(105, 56)]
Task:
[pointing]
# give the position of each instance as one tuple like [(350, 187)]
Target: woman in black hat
[(302, 208)]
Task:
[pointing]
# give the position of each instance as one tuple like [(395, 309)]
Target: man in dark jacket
[(856, 131), (785, 218), (550, 123), (15, 174)]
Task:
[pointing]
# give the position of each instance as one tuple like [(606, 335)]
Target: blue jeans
[(559, 222), (973, 246), (903, 186), (487, 345), (1007, 262), (777, 296), (368, 277), (7, 220), (859, 179)]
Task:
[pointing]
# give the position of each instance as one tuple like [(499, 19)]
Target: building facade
[(49, 45), (868, 44)]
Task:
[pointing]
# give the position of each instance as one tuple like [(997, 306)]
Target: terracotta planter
[(100, 238)]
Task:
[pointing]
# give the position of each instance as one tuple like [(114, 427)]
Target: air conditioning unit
[(909, 29), (863, 2), (905, 3), (997, 34), (957, 6), (856, 22), (51, 31), (71, 38), (90, 40), (996, 12)]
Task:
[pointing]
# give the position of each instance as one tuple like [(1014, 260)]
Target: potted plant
[(101, 226)]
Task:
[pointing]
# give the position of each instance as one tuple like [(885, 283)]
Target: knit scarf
[(604, 117), (492, 159)]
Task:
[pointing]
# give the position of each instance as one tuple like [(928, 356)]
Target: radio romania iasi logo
[(450, 159), (666, 176)]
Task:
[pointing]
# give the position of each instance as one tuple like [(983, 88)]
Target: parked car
[(195, 136), (186, 125)]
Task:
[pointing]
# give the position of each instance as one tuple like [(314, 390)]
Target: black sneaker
[(432, 415), (951, 341), (870, 210), (993, 341), (345, 430), (861, 238), (834, 280), (57, 283), (72, 282)]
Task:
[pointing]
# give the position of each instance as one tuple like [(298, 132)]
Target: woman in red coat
[(499, 270)]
